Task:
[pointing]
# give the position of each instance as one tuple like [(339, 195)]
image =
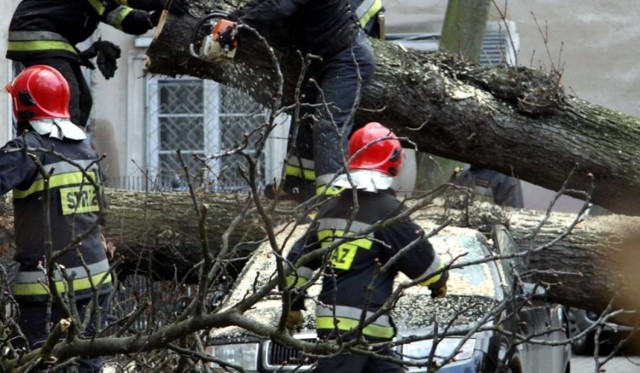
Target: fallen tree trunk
[(156, 234), (515, 120)]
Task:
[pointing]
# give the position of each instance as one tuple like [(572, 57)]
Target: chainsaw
[(206, 43)]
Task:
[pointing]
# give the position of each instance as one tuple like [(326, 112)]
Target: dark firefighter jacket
[(366, 12), (52, 28), (354, 263), (73, 207), (321, 27)]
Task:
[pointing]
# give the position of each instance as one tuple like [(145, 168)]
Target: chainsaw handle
[(201, 22)]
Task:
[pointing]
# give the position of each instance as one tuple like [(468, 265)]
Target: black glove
[(438, 292), (86, 55), (153, 18), (227, 37), (236, 14), (294, 322), (177, 7), (108, 53)]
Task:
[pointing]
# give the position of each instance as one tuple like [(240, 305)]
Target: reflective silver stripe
[(304, 272), (35, 35), (325, 179), (353, 313), (112, 16), (364, 8), (435, 265), (301, 162), (335, 223), (64, 167), (34, 277)]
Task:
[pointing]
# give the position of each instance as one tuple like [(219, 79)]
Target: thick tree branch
[(515, 120)]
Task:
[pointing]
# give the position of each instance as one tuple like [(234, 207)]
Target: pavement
[(619, 364)]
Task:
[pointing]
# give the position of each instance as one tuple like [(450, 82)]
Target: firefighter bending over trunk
[(376, 157), (46, 32), (492, 186), (40, 96), (330, 30)]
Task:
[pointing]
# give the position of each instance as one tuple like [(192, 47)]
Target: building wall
[(592, 41)]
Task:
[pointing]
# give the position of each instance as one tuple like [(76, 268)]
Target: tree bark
[(514, 120), (155, 235)]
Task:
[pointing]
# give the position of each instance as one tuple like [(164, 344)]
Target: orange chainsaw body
[(211, 49)]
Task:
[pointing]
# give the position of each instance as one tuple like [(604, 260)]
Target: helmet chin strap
[(58, 128)]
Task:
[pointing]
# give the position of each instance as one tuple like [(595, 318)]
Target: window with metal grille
[(500, 43), (207, 122)]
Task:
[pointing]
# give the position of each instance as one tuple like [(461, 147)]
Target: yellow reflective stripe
[(371, 12), (433, 279), (301, 173), (344, 324), (121, 16), (56, 181), (328, 190), (296, 281), (30, 277), (353, 313), (342, 256), (40, 45), (43, 289), (98, 6), (326, 237)]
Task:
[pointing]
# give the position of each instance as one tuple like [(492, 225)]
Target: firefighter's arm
[(299, 278), (415, 257), (261, 13), (439, 287), (435, 276), (16, 167), (301, 274), (129, 20)]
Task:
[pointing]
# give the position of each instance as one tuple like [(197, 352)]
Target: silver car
[(484, 310)]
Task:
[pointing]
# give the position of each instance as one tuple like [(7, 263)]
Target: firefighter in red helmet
[(50, 32), (54, 174), (375, 158)]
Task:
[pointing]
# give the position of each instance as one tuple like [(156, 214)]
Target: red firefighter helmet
[(375, 147), (39, 92)]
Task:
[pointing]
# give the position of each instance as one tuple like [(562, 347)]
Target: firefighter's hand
[(108, 246), (294, 321), (108, 54), (236, 14), (227, 38), (153, 18), (86, 56), (439, 292)]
